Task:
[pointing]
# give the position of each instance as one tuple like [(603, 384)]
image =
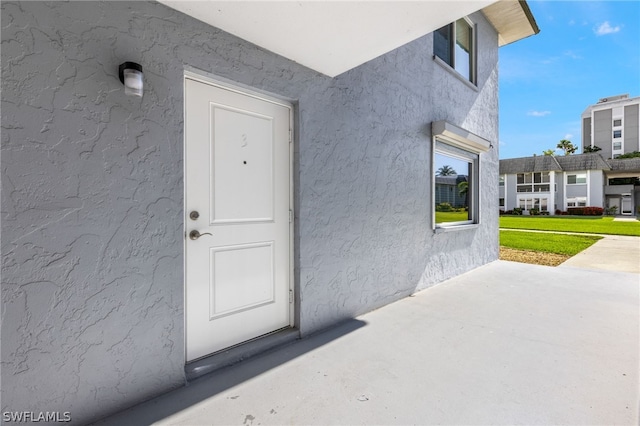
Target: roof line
[(530, 17)]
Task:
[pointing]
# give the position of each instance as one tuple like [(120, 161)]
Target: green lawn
[(593, 224), (451, 216), (549, 243)]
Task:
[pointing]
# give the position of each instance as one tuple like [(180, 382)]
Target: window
[(455, 45), (617, 133), (533, 182), (540, 204), (576, 179), (617, 123), (577, 202), (455, 177), (501, 202), (617, 146), (455, 186), (501, 181)]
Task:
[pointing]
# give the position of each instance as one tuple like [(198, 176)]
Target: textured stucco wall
[(596, 188), (603, 131), (92, 198)]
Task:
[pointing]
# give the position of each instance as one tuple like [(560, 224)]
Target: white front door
[(626, 205), (237, 198)]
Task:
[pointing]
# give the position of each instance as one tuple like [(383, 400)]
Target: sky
[(585, 51)]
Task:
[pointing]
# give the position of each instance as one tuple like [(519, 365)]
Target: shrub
[(585, 211), (593, 211), (444, 207), (517, 211), (534, 211), (611, 210), (558, 212)]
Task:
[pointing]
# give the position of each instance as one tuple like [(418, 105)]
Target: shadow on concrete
[(218, 381)]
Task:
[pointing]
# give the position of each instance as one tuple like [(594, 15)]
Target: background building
[(613, 124)]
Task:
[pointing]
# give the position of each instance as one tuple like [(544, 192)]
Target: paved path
[(612, 253), (507, 343)]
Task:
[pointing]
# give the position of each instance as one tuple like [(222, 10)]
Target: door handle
[(194, 235)]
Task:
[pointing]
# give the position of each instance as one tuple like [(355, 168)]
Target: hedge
[(585, 211)]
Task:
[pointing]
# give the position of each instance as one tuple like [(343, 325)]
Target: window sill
[(443, 229), (455, 73)]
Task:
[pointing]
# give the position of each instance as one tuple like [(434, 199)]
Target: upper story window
[(576, 178), (617, 133), (533, 182), (455, 44), (501, 181), (617, 146), (617, 123)]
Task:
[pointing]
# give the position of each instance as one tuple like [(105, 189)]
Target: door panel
[(242, 138), (237, 178)]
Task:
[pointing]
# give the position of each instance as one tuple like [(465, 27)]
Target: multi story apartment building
[(613, 124), (600, 178)]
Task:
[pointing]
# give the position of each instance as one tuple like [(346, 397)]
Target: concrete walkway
[(616, 253), (507, 343), (612, 253)]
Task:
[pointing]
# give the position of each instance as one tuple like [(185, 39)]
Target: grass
[(591, 225), (548, 243), (451, 216)]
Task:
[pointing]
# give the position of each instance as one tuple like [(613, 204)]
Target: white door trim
[(190, 75)]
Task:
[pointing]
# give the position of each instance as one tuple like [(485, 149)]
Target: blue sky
[(586, 50)]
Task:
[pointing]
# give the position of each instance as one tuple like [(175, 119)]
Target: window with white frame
[(533, 182), (577, 202), (456, 173), (617, 134), (617, 146), (501, 181), (456, 187), (575, 179), (501, 203), (617, 123), (540, 204), (455, 44)]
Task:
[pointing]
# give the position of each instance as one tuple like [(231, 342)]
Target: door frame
[(242, 90)]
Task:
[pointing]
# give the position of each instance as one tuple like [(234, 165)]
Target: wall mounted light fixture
[(131, 77)]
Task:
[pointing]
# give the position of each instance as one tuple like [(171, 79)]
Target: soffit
[(332, 37), (512, 19)]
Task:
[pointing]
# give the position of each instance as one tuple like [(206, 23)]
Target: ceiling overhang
[(512, 19), (332, 37)]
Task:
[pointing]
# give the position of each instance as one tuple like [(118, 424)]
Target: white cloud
[(571, 54), (606, 28), (568, 136), (538, 113)]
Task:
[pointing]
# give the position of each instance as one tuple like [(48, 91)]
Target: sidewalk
[(612, 253), (616, 253), (507, 343)]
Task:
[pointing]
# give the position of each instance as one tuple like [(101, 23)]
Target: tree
[(567, 147), (445, 171), (592, 149), (550, 152), (463, 191), (634, 154)]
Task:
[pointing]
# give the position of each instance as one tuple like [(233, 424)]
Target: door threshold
[(237, 353)]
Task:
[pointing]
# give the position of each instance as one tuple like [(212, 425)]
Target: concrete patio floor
[(507, 343)]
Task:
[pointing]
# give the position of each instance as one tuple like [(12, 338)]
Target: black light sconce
[(131, 76)]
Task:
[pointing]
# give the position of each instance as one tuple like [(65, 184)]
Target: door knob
[(194, 235)]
